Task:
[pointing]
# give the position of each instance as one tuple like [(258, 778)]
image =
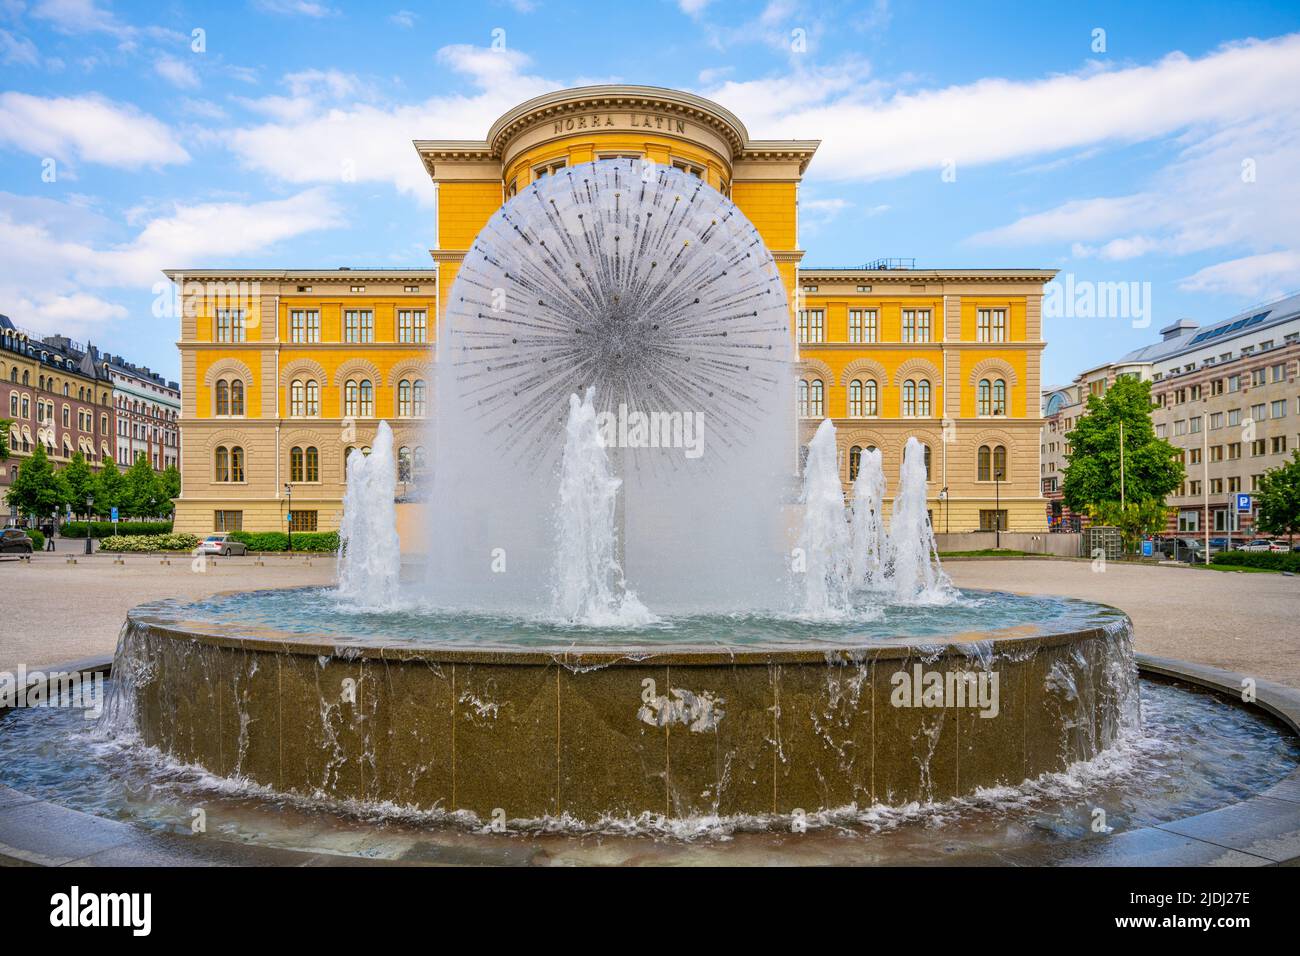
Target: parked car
[(221, 544), (1188, 549), (1259, 544), (1219, 544), (15, 540)]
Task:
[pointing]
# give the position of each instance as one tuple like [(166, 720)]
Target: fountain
[(615, 397), (370, 555)]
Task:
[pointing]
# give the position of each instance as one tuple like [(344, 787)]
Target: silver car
[(221, 544)]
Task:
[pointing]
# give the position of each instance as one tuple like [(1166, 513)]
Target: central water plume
[(589, 587), (825, 539), (914, 570), (650, 287), (370, 554), (867, 526)]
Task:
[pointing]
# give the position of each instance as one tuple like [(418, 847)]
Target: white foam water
[(913, 564), (824, 541), (370, 553), (867, 525)]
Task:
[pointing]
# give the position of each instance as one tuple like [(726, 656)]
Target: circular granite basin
[(591, 731)]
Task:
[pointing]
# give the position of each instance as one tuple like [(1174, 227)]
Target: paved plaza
[(1239, 622)]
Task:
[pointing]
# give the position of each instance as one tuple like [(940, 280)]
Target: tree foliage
[(143, 495), (1278, 497), (1152, 469), (79, 481), (38, 491), (110, 487)]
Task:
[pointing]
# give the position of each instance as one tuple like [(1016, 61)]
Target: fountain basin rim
[(167, 619), (38, 832)]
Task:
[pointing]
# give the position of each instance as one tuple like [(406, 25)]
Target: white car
[(1259, 544), (221, 544)]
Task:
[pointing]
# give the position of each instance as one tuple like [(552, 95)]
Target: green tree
[(5, 425), (171, 485), (38, 491), (143, 493), (79, 480), (1278, 495), (110, 487), (1152, 469)]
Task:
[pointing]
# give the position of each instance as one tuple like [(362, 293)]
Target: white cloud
[(177, 72), (302, 8), (79, 16), (993, 120), (404, 19), (315, 142), (1259, 278), (88, 128), (17, 51), (692, 8), (60, 250)]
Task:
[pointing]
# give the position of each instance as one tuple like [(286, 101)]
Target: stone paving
[(1243, 622)]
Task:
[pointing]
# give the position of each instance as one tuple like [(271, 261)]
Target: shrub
[(1271, 560), (313, 541), (38, 539), (146, 543), (104, 529)]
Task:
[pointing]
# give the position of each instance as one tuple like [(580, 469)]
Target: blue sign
[(288, 516), (1148, 548), (1243, 504), (115, 513)]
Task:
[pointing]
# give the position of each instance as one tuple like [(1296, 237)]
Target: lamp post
[(943, 496), (89, 502), (288, 493), (997, 509)]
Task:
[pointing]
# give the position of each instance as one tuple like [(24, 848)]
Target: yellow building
[(950, 356)]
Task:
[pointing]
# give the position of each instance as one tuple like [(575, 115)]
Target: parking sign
[(1243, 504), (114, 514)]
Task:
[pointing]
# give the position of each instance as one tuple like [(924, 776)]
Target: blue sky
[(965, 135)]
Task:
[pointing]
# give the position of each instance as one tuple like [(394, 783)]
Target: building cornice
[(913, 275), (316, 275)]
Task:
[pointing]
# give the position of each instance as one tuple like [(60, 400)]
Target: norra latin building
[(284, 371)]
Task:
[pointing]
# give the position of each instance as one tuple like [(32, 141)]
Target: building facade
[(1226, 396), (147, 408), (55, 393), (949, 356), (283, 373)]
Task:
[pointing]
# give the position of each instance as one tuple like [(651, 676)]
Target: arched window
[(358, 398), (223, 397), (909, 398), (999, 397), (927, 461), (236, 397), (992, 463), (923, 398), (855, 462), (420, 461), (803, 398), (403, 463), (984, 398), (870, 398), (236, 464), (816, 398), (404, 401), (297, 398), (367, 398), (855, 405), (222, 464), (295, 463), (311, 464), (417, 392)]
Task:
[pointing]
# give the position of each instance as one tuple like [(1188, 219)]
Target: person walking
[(49, 536)]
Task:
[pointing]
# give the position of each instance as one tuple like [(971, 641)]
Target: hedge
[(149, 542), (316, 541), (104, 529), (1271, 560)]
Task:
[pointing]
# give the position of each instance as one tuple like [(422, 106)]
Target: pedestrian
[(49, 536)]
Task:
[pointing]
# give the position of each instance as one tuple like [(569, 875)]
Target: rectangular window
[(1234, 416), (1278, 409), (1259, 412), (812, 325), (864, 326), (916, 325), (1234, 383), (302, 520), (227, 521), (1278, 445), (991, 325), (991, 520), (230, 325), (359, 325), (1189, 520), (304, 325), (412, 326), (1279, 372)]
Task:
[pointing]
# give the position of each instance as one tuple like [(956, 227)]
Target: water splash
[(589, 587), (824, 540), (913, 557), (370, 554), (867, 525)]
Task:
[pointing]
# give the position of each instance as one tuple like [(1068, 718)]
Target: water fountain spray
[(867, 525), (370, 554)]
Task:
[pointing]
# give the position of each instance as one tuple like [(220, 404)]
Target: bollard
[(71, 561)]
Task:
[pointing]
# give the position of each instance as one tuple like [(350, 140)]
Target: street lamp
[(943, 496), (288, 493), (89, 502), (997, 509)]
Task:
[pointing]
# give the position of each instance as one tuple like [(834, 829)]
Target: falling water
[(589, 586), (913, 557), (825, 538), (867, 527), (370, 556)]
